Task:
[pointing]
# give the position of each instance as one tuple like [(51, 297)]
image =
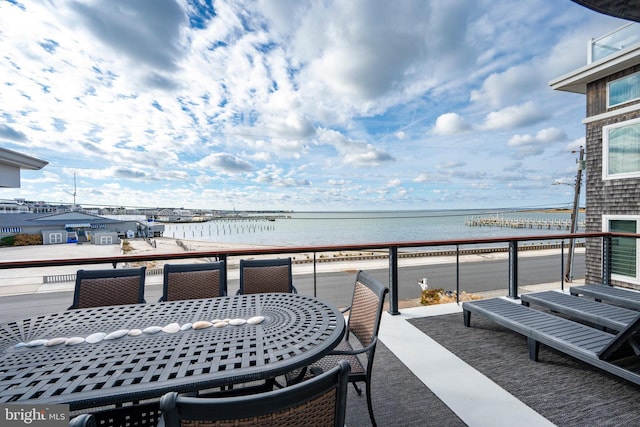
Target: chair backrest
[(320, 401), (266, 275), (82, 420), (98, 288), (366, 308), (194, 281)]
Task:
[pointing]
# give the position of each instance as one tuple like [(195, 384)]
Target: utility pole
[(574, 215)]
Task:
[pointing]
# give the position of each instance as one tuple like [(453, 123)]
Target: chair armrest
[(369, 347)]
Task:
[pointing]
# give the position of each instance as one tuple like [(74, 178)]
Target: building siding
[(610, 197)]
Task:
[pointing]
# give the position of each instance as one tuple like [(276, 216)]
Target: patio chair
[(194, 281), (98, 288), (266, 275), (82, 420), (320, 401), (365, 314)]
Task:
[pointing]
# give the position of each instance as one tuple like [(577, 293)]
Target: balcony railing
[(613, 42), (394, 252)]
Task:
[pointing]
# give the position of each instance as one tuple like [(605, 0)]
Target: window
[(624, 250), (623, 90), (621, 150), (55, 237)]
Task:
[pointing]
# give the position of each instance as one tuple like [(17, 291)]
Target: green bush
[(8, 241)]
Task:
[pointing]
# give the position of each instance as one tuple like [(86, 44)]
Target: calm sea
[(336, 228)]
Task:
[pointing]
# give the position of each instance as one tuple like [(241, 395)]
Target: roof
[(11, 163), (576, 81), (61, 220), (625, 9), (22, 161)]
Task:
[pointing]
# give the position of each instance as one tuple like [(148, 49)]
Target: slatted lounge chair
[(320, 401), (621, 296), (194, 281), (604, 315), (590, 345)]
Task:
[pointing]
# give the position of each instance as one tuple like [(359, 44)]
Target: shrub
[(126, 247), (7, 241), (431, 296), (27, 239)]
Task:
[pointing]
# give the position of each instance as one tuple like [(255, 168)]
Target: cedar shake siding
[(618, 195)]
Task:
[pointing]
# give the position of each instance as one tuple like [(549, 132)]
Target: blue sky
[(293, 104)]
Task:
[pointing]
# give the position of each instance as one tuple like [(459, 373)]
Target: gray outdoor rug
[(399, 398), (564, 390)]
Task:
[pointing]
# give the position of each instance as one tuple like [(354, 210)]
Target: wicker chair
[(83, 420), (266, 275), (194, 281), (321, 401), (360, 339), (98, 288)]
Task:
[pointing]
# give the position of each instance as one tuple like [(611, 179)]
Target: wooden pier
[(505, 222)]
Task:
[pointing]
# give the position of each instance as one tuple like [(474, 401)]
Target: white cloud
[(179, 101), (514, 116), (531, 145), (450, 124), (223, 162)]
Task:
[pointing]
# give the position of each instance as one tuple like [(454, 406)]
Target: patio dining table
[(69, 369)]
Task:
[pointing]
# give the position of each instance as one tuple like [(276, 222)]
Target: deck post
[(606, 260), (562, 276), (393, 280), (513, 269)]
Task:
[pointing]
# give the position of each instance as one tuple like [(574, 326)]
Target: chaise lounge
[(596, 313), (621, 296), (590, 345)]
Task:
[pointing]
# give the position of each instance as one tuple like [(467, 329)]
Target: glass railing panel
[(615, 41)]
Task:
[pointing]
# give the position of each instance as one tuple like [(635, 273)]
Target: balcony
[(429, 369), (613, 42)]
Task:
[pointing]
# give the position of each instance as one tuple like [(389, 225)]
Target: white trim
[(609, 114), (605, 228), (606, 176), (22, 161)]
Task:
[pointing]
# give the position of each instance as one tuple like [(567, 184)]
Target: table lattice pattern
[(297, 330)]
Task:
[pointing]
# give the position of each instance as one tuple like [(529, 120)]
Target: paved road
[(480, 276), (337, 286)]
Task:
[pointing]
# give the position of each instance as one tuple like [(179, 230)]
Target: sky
[(294, 104)]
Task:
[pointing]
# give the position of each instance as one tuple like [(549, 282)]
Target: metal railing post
[(393, 280), (562, 265), (513, 269), (315, 277), (458, 274), (606, 260)]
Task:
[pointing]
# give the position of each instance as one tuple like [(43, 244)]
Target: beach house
[(611, 82)]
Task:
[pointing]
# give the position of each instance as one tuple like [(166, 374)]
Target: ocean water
[(343, 228)]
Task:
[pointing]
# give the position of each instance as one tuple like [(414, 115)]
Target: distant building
[(611, 83), (68, 227)]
